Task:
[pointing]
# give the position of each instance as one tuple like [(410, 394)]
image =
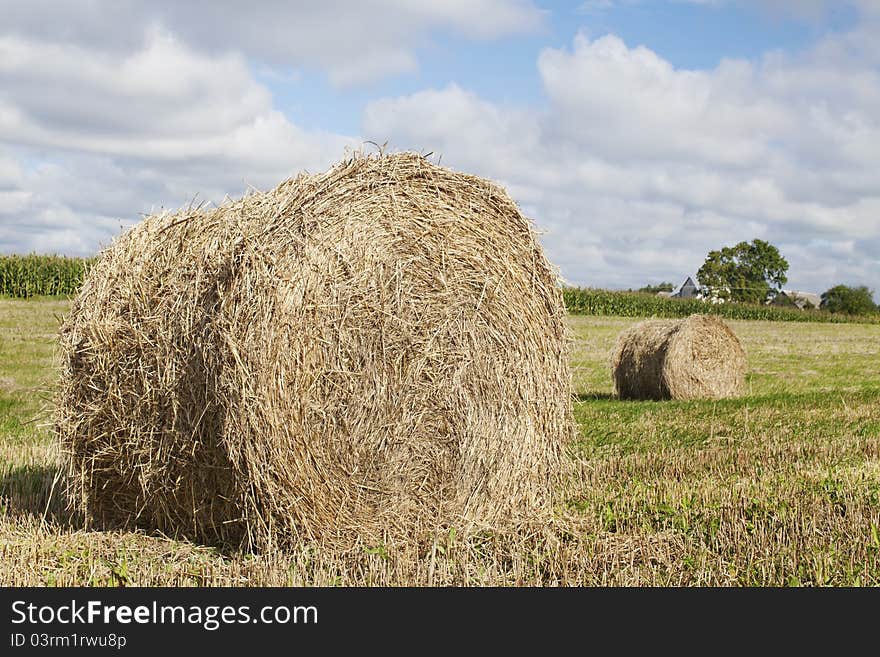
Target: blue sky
[(687, 34), (637, 134)]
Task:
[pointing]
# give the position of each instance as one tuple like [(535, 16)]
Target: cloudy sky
[(638, 134)]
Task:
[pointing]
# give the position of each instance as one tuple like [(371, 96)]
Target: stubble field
[(781, 487)]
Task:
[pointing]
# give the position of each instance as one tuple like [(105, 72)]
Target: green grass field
[(781, 487)]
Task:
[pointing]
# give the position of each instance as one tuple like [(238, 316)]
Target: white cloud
[(164, 102), (351, 41), (635, 169), (602, 89), (112, 109), (805, 10), (89, 140), (94, 97), (808, 10)]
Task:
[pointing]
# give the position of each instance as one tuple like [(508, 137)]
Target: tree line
[(754, 272)]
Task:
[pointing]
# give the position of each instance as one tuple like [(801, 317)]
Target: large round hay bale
[(375, 349), (694, 358)]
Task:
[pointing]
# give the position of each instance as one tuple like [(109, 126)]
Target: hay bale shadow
[(35, 491), (594, 396)]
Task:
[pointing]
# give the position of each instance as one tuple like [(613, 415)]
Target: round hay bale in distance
[(694, 358), (372, 350)]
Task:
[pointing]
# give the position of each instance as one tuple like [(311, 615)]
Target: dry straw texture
[(694, 358), (372, 351)]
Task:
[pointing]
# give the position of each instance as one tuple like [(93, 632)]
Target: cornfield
[(41, 275), (51, 275), (588, 301)]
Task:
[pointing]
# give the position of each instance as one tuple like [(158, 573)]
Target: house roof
[(800, 295)]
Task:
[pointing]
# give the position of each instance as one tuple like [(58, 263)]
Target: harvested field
[(778, 487)]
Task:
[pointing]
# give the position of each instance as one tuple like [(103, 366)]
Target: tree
[(784, 301), (791, 300), (850, 300), (747, 272), (654, 289)]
